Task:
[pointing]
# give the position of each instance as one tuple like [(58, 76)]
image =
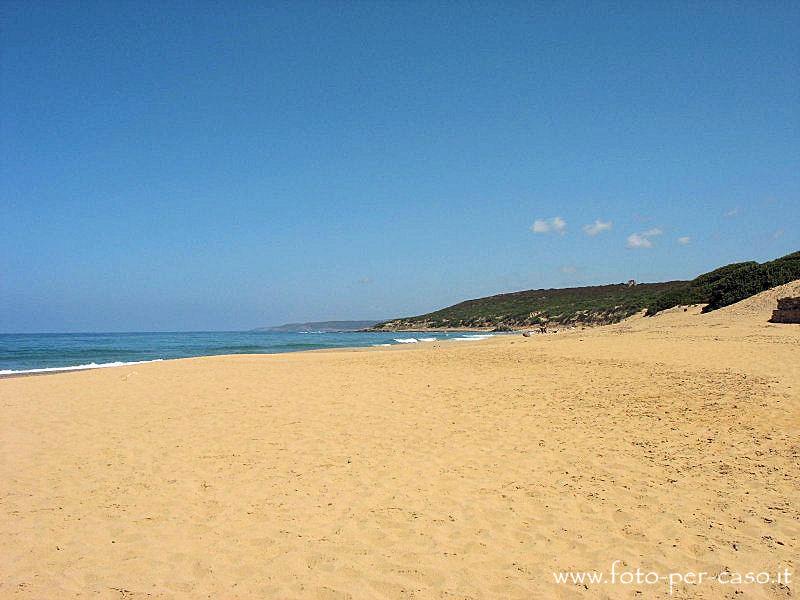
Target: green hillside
[(607, 303), (696, 291), (730, 284), (596, 304)]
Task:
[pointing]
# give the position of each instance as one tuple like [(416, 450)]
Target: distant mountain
[(323, 326)]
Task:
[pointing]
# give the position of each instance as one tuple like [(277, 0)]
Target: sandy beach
[(444, 470)]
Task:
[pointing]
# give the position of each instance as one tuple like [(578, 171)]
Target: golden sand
[(448, 470)]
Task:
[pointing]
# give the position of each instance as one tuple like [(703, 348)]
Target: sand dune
[(759, 307), (470, 470)]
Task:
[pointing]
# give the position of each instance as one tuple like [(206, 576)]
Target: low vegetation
[(606, 303), (596, 304), (755, 279), (730, 284), (696, 291)]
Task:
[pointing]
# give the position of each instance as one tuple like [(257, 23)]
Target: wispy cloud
[(569, 269), (597, 227), (732, 212), (554, 225), (778, 233), (364, 281), (684, 240), (642, 240)]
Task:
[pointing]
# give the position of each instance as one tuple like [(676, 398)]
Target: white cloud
[(540, 226), (778, 233), (636, 240), (556, 225), (642, 240), (684, 240), (569, 270), (597, 227), (732, 212)]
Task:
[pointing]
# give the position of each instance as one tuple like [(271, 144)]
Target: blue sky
[(179, 166)]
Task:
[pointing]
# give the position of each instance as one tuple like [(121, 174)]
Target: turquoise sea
[(43, 352)]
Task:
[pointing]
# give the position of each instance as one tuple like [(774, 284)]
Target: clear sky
[(226, 165)]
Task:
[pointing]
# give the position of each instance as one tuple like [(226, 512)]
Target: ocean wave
[(472, 338), (92, 365), (465, 338)]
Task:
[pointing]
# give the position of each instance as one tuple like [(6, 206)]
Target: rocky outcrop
[(788, 311)]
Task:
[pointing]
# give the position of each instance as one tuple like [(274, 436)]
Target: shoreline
[(105, 366), (436, 330), (453, 470)]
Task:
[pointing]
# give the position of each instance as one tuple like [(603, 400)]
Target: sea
[(47, 352)]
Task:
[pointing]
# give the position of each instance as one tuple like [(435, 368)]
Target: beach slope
[(446, 470)]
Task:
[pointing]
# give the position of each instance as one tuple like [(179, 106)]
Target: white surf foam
[(472, 338), (406, 340), (78, 367)]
